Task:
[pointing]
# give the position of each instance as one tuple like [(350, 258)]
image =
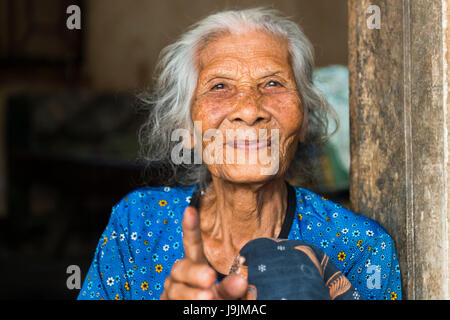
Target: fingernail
[(204, 295)]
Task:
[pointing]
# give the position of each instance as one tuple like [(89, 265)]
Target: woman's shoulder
[(148, 193), (355, 243), (151, 200), (317, 211)]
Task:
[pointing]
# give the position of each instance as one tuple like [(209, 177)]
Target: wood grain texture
[(399, 135), (446, 24)]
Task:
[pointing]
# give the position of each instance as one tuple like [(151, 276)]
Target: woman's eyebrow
[(220, 75), (272, 74), (216, 76)]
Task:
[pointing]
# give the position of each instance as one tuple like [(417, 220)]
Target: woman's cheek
[(287, 109), (211, 112)]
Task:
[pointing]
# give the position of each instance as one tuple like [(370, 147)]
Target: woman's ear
[(304, 127)]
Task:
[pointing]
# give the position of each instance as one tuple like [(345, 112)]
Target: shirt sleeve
[(106, 278), (377, 273)]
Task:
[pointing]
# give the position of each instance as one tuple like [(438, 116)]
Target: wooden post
[(399, 124)]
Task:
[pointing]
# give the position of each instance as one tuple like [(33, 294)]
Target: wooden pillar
[(399, 124)]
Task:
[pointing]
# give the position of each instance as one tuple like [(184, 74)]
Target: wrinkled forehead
[(250, 47)]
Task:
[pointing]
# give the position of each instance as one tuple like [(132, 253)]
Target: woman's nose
[(248, 108)]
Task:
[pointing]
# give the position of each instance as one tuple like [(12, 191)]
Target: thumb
[(192, 237), (231, 288)]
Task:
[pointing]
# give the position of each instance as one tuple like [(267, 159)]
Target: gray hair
[(170, 100)]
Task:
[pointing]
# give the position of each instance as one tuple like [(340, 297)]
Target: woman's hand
[(192, 278)]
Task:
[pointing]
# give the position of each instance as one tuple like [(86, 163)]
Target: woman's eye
[(219, 86), (273, 83)]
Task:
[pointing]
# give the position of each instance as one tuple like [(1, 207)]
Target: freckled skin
[(246, 81)]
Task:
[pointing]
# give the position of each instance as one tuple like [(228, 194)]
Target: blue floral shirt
[(143, 239)]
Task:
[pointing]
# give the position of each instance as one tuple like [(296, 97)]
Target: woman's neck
[(233, 214)]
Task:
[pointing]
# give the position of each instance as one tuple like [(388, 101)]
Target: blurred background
[(69, 121)]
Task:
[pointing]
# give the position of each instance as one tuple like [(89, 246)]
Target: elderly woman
[(247, 232)]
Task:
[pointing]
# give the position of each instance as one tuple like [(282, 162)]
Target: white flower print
[(110, 281), (344, 231), (369, 233), (262, 267), (134, 236), (188, 199), (166, 247), (166, 189), (122, 237), (281, 248)]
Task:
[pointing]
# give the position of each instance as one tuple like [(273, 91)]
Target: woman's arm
[(106, 278), (377, 271)]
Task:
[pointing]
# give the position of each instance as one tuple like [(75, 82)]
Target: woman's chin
[(247, 173)]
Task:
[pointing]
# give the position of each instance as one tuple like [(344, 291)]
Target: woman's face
[(246, 92)]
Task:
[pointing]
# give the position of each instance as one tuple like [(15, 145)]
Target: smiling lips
[(249, 144)]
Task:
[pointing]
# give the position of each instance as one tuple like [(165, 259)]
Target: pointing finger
[(192, 238)]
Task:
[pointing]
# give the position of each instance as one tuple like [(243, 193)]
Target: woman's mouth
[(249, 144)]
